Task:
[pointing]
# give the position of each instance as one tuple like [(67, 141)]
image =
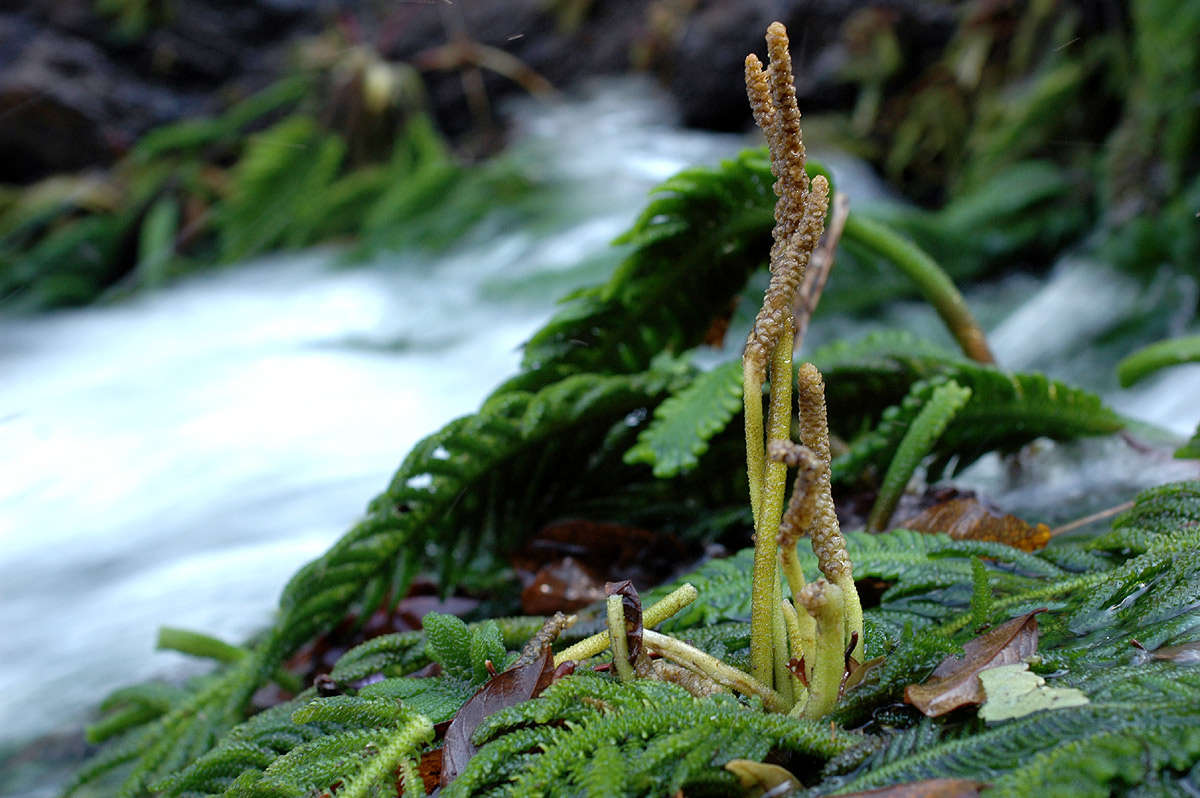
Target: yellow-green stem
[(755, 452), (800, 643), (766, 564), (619, 637), (672, 603), (830, 655), (727, 675), (783, 677), (852, 612), (806, 627), (792, 569)]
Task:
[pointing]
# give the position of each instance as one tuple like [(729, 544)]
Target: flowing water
[(173, 458)]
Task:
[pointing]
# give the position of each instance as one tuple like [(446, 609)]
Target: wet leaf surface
[(955, 683), (968, 518), (930, 788), (566, 584), (517, 684)]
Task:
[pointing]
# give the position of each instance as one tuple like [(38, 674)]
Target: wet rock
[(65, 105), (76, 90)]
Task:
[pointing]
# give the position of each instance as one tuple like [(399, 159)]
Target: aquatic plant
[(608, 418)]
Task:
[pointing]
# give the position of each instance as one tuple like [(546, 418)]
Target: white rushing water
[(173, 458)]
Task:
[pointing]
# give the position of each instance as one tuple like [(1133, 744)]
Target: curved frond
[(643, 738), (685, 422), (1005, 412), (1147, 360), (694, 246)]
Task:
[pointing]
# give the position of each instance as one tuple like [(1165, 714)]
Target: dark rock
[(698, 53), (74, 92)]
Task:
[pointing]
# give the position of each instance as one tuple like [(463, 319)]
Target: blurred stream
[(173, 458)]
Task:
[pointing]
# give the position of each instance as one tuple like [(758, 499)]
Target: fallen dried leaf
[(565, 584), (955, 682), (1013, 692), (1183, 654), (930, 788), (517, 684), (967, 518), (760, 778)]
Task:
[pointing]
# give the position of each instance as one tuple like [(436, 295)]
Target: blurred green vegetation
[(1042, 126), (275, 171)]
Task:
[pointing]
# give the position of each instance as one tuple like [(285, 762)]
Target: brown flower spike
[(799, 223)]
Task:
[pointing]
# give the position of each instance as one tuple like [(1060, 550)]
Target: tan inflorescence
[(798, 517), (828, 543), (801, 208), (799, 224)]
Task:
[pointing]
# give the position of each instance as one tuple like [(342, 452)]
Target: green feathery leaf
[(1149, 359), (1005, 412), (944, 403), (684, 423), (643, 738)]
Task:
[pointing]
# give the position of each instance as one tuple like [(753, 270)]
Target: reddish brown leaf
[(517, 684), (930, 788), (600, 551), (430, 770), (565, 584), (1184, 654), (631, 603), (955, 682), (967, 518)]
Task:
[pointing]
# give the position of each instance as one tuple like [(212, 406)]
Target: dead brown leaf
[(565, 584), (856, 674), (930, 788), (967, 518), (955, 682), (1183, 654), (518, 683)]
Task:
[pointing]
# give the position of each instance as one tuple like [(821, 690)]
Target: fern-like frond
[(166, 745), (684, 423), (357, 740), (271, 199), (930, 578), (1099, 749), (480, 484), (865, 376), (643, 738), (1005, 412), (935, 414), (694, 246)]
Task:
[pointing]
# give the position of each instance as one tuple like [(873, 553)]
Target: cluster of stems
[(798, 648)]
